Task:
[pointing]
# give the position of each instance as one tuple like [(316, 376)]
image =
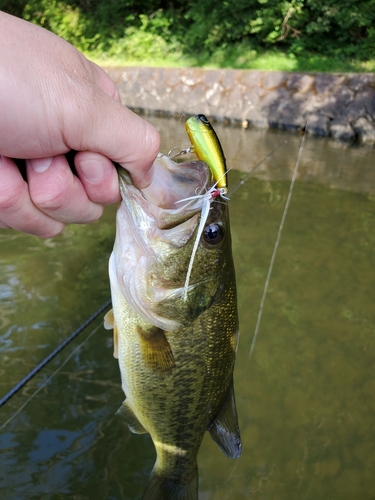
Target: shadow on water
[(305, 398)]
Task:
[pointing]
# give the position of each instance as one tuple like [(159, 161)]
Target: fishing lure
[(207, 147)]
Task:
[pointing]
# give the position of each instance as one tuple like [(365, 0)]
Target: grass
[(241, 57)]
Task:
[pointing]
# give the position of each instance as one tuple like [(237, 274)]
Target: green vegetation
[(299, 35)]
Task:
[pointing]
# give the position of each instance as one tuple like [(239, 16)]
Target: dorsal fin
[(224, 429), (156, 350)]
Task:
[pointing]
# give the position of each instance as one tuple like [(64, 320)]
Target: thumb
[(108, 127)]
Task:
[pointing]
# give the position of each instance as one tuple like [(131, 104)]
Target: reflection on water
[(305, 398)]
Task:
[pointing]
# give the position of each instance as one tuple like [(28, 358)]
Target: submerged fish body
[(176, 352)]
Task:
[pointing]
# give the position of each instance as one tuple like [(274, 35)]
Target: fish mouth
[(174, 193), (152, 224)]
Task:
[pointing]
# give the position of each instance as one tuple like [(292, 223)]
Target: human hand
[(54, 100)]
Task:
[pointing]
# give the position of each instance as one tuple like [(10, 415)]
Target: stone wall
[(340, 106)]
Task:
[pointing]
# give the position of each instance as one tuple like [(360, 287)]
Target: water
[(306, 396)]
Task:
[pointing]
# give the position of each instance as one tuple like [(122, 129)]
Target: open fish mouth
[(152, 227), (172, 182)]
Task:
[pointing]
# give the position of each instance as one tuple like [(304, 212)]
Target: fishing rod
[(53, 354)]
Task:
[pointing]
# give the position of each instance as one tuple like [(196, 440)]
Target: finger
[(16, 208), (101, 78), (141, 139), (98, 176), (138, 149), (57, 192), (114, 131)]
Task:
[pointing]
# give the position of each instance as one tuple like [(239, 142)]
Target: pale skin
[(53, 100)]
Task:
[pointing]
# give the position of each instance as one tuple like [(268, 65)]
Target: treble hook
[(182, 152)]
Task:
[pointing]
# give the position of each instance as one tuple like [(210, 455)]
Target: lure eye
[(203, 119), (213, 234)]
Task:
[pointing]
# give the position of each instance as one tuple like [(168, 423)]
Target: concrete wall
[(340, 106)]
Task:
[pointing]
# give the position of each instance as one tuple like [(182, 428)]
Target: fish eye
[(213, 234)]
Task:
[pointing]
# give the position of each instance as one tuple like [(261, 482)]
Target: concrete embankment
[(341, 106)]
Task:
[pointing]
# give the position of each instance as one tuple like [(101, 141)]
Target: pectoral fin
[(126, 412), (224, 429), (109, 320), (156, 350), (109, 323)]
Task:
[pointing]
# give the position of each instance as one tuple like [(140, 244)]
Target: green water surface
[(306, 397)]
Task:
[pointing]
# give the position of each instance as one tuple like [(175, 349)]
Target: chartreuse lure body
[(207, 147)]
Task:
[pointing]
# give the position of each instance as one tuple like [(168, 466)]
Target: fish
[(207, 147), (176, 343)]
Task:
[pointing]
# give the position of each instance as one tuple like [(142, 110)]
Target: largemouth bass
[(175, 341)]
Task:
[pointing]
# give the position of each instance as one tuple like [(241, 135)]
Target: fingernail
[(92, 170), (40, 165)]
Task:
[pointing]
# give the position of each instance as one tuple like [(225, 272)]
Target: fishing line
[(53, 354), (49, 378), (244, 179), (277, 245), (274, 250)]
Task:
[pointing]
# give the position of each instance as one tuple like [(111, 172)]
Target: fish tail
[(163, 488)]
